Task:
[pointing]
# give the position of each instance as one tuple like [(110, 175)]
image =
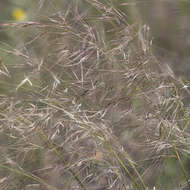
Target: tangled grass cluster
[(84, 106)]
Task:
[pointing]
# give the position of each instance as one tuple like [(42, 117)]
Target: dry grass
[(83, 105)]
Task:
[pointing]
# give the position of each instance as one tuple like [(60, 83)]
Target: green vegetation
[(83, 104)]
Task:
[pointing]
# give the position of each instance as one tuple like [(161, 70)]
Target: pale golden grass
[(83, 105)]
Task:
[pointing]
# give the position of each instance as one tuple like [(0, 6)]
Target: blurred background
[(170, 27)]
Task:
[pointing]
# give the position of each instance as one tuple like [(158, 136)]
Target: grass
[(84, 106)]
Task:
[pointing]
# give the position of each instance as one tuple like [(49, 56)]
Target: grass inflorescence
[(83, 104)]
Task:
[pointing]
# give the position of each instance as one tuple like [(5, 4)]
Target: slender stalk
[(112, 152), (31, 176), (182, 166), (51, 146)]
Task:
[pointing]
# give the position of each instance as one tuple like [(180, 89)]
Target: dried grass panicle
[(84, 106)]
